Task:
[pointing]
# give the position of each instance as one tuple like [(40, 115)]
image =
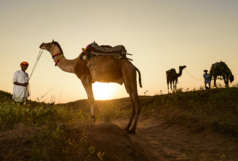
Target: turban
[(24, 63), (205, 70)]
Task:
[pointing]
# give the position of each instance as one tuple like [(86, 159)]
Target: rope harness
[(198, 79), (34, 67), (37, 60)]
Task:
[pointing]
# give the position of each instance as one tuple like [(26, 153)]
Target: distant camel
[(172, 77), (221, 69), (105, 68)]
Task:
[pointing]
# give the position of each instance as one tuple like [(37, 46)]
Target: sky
[(161, 34)]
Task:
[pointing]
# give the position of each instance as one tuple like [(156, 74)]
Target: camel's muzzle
[(41, 45)]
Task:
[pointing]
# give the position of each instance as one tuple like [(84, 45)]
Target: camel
[(105, 69), (221, 69), (172, 77)]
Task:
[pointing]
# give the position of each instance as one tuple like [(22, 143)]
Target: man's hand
[(25, 84)]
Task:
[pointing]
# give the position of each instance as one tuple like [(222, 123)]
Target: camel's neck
[(63, 63), (180, 72), (67, 65)]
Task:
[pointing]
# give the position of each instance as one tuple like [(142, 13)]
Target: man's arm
[(21, 84)]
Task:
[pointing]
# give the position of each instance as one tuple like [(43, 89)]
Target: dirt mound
[(114, 141)]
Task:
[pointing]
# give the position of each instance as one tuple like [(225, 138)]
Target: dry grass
[(215, 108)]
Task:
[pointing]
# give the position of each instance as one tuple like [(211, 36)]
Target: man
[(207, 79), (20, 81)]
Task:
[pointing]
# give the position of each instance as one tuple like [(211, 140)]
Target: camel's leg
[(175, 85), (135, 99), (171, 85), (225, 80), (227, 84), (215, 77), (129, 76), (168, 86), (87, 83), (132, 114)]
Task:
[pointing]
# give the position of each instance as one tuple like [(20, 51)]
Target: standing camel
[(221, 69), (104, 69), (172, 77)]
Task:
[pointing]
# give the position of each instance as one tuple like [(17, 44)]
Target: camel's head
[(182, 67), (51, 46), (231, 78), (47, 46)]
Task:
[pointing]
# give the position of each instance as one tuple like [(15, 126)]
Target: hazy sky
[(161, 34)]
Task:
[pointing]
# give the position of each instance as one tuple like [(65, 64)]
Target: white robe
[(19, 92), (207, 78)]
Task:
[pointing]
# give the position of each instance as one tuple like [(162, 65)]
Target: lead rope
[(198, 79), (37, 60)]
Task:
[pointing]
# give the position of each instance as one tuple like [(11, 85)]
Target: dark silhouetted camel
[(221, 69), (172, 77)]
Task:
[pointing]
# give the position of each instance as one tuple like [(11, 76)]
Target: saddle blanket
[(106, 49), (220, 68)]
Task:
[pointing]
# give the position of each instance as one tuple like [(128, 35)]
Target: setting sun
[(103, 91)]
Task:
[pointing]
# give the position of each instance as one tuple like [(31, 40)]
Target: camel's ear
[(53, 40)]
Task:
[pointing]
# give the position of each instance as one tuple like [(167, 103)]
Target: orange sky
[(160, 34)]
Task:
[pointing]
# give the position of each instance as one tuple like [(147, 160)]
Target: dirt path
[(165, 142)]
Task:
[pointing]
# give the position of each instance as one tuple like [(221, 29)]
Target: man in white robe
[(20, 81), (207, 77)]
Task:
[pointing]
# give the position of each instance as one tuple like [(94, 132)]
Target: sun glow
[(103, 91)]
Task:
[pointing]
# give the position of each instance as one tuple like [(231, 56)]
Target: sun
[(103, 91)]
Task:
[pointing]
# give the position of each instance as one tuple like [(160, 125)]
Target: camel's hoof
[(131, 132)]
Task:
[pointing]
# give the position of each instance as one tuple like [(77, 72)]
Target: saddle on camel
[(94, 49)]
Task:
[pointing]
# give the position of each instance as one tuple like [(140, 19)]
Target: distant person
[(207, 79), (20, 81)]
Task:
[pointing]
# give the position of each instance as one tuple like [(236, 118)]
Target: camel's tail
[(139, 77)]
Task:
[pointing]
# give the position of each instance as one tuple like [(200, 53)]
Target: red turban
[(24, 63)]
